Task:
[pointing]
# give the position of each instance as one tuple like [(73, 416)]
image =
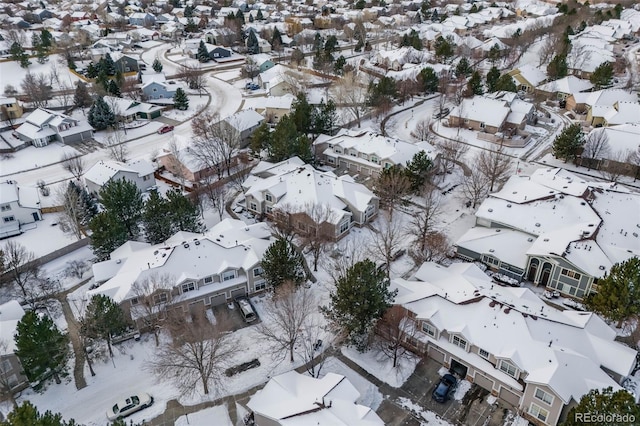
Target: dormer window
[(352, 153), (268, 197), (508, 368), (459, 341), (428, 329)]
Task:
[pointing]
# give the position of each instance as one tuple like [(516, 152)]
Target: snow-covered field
[(12, 73), (381, 366)]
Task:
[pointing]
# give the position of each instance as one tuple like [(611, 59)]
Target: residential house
[(184, 164), (203, 270), (19, 205), (582, 103), (139, 172), (497, 112), (616, 157), (366, 153), (219, 53), (10, 109), (155, 86), (611, 115), (263, 61), (142, 19), (273, 108), (11, 372), (588, 51), (244, 123), (534, 357), (291, 192), (295, 398), (125, 63), (564, 87), (396, 59), (555, 229), (129, 110), (528, 77), (43, 126)]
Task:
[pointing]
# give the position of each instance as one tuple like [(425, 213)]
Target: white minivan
[(246, 310)]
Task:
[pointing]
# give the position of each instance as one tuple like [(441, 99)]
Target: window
[(228, 275), (543, 396), (160, 298), (375, 159), (337, 151), (459, 341), (352, 153), (330, 160), (155, 90), (484, 354), (260, 285), (344, 227), (269, 209), (387, 165), (466, 121), (146, 178), (9, 219), (490, 260), (253, 206), (571, 274), (135, 301), (482, 126), (257, 272), (538, 412), (208, 280), (429, 329), (268, 197), (5, 367), (191, 286), (5, 208), (508, 368)]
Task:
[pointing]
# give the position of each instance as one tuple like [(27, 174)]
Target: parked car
[(445, 388), (129, 405), (442, 113), (165, 129), (252, 86), (246, 309)]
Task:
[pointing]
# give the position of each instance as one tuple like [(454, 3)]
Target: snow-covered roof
[(295, 399), (25, 196), (244, 119), (492, 112), (104, 170), (569, 84), (561, 349), (592, 225), (623, 138), (231, 244), (10, 314), (531, 73), (296, 189)]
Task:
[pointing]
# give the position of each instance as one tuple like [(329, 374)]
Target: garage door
[(196, 308), (238, 292), (483, 381), (218, 299), (436, 354), (509, 397)]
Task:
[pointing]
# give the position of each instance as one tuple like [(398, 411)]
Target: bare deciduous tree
[(392, 186), (193, 75), (351, 94), (386, 241), (197, 355), (317, 235), (422, 224), (37, 89), (115, 144), (423, 129), (150, 311), (615, 166), (475, 187), (74, 164), (595, 148), (287, 313), (451, 153), (392, 332), (215, 143), (434, 247), (216, 194), (20, 266), (495, 165), (176, 161), (313, 346), (70, 218), (7, 381), (634, 161), (76, 268)]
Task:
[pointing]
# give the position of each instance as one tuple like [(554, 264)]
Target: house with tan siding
[(532, 356)]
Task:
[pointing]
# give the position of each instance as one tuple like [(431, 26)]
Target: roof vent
[(186, 245), (546, 240), (118, 261), (537, 225), (197, 243), (498, 230), (490, 210), (491, 250), (509, 205), (155, 253), (530, 239), (601, 267), (561, 196), (583, 203)]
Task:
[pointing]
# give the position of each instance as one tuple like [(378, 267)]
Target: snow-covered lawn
[(218, 415), (32, 158), (43, 237), (196, 103), (57, 269), (13, 74), (370, 396), (381, 366)]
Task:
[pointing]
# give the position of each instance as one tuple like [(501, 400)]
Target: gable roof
[(104, 170), (561, 349), (10, 314)]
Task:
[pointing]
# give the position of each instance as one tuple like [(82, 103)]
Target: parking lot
[(230, 319)]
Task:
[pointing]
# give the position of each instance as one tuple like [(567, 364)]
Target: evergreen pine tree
[(123, 200), (361, 297), (252, 43), (81, 98), (19, 55), (27, 415), (188, 11), (100, 115), (463, 68), (180, 100), (203, 53), (338, 67), (183, 213), (156, 219), (429, 79), (602, 75), (42, 348), (157, 65), (282, 262), (261, 138), (618, 296), (240, 17), (103, 318), (107, 234), (601, 403), (113, 89), (108, 65), (557, 68), (568, 143), (418, 169), (259, 15), (492, 79), (505, 83), (474, 86)]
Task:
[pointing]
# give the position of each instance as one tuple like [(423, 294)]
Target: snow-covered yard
[(43, 237), (381, 366), (218, 414)]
